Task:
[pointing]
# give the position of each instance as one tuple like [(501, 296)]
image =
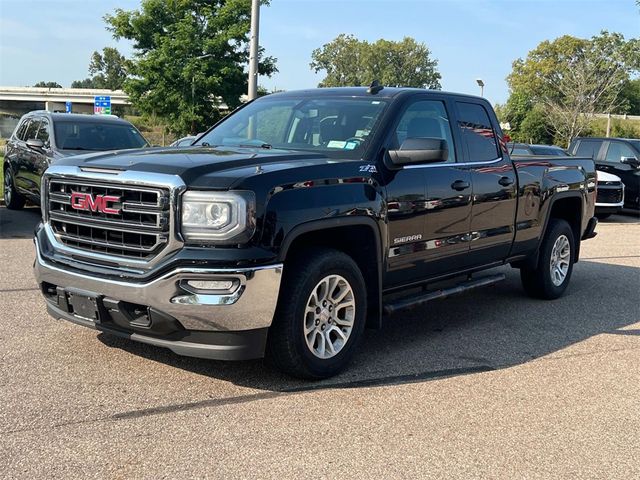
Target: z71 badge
[(368, 168)]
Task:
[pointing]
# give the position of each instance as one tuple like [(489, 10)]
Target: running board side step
[(418, 300)]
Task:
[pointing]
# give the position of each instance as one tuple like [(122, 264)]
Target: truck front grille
[(138, 229), (609, 193)]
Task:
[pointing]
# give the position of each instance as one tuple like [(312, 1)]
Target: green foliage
[(168, 79), (624, 129), (630, 96), (571, 79), (48, 85), (535, 127), (348, 61), (108, 70)]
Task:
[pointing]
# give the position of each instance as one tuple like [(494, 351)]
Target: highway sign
[(102, 105)]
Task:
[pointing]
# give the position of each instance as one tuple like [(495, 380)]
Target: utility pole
[(253, 49)]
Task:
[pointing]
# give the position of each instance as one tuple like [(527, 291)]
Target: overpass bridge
[(16, 101)]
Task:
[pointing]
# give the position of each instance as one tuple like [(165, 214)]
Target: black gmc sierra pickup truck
[(282, 231)]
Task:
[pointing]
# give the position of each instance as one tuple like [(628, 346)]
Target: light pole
[(480, 83), (253, 49), (193, 93)]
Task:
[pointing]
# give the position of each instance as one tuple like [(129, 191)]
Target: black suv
[(619, 156), (41, 137)]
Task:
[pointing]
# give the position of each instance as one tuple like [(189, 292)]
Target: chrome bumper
[(249, 305)]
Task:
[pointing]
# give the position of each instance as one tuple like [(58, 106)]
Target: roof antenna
[(375, 87)]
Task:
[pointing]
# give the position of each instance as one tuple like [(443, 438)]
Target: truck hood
[(204, 167)]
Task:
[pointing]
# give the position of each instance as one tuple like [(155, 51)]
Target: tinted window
[(520, 151), (617, 150), (90, 135), (32, 129), (43, 133), (427, 118), (22, 128), (588, 148), (543, 150), (335, 126), (477, 132)]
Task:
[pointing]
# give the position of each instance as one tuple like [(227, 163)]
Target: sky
[(52, 40)]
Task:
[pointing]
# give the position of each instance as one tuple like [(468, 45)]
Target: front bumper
[(167, 312)]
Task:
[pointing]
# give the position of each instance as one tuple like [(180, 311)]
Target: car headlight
[(217, 217)]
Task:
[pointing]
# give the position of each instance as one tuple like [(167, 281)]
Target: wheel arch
[(358, 237)]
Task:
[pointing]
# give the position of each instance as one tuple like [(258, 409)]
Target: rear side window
[(477, 132), (588, 148), (32, 129)]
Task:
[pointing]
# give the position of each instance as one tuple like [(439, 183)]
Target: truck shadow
[(18, 223), (488, 329)]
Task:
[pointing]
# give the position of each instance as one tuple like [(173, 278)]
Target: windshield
[(542, 150), (97, 136), (338, 127), (635, 143)]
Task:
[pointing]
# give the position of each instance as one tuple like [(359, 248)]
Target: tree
[(348, 61), (86, 83), (631, 96), (48, 85), (189, 57), (108, 70), (575, 78)]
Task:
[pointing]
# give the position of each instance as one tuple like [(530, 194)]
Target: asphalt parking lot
[(491, 384)]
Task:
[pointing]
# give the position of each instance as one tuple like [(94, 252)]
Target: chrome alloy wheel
[(560, 258), (329, 316), (8, 184)]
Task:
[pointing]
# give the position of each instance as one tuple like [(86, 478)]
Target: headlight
[(218, 217)]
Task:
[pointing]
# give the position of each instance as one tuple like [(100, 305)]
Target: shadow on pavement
[(18, 223), (485, 330)]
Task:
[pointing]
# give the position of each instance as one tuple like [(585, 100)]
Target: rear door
[(494, 199)]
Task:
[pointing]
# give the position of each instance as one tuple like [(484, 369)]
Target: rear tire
[(550, 277), (12, 199), (320, 315)]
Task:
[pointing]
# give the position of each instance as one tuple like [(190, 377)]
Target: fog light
[(224, 285)]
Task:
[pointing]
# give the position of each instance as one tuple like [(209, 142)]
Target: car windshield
[(89, 135), (336, 126)]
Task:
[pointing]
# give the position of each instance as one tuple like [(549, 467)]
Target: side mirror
[(35, 144), (632, 161), (420, 150)]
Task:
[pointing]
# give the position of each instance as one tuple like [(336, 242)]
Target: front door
[(630, 176), (429, 205)]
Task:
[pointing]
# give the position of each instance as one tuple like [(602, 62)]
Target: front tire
[(12, 199), (550, 277), (320, 315)]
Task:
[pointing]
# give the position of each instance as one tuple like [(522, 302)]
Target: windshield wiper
[(266, 146)]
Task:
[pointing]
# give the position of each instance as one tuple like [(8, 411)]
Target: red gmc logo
[(85, 201)]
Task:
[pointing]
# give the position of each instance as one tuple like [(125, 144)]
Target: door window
[(43, 133), (21, 130), (32, 129), (588, 148), (617, 150), (477, 132), (425, 118)]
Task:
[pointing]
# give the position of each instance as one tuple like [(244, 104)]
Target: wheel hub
[(560, 260), (329, 316)]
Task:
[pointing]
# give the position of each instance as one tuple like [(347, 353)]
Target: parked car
[(610, 196), (42, 138), (618, 156), (184, 141), (532, 149), (297, 215)]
